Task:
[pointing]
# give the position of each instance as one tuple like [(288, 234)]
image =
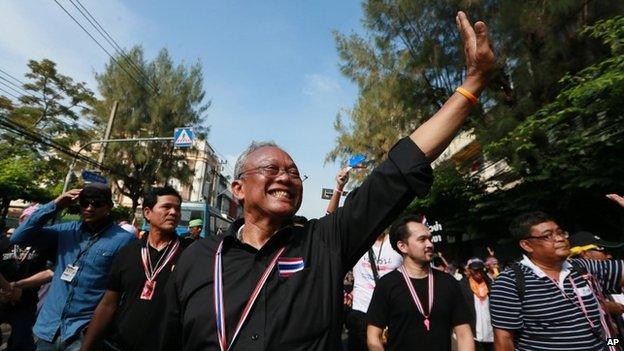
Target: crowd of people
[(275, 281)]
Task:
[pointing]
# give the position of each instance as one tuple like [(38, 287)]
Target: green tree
[(55, 106), (410, 61), (572, 146), (151, 104), (19, 179)]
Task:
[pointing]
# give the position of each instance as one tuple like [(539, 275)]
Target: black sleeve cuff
[(413, 165)]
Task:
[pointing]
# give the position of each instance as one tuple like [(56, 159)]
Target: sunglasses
[(96, 203)]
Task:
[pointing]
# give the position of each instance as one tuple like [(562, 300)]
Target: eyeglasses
[(272, 171), (84, 203), (550, 235)]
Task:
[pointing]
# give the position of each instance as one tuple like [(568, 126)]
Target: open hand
[(479, 56), (342, 178), (66, 199)]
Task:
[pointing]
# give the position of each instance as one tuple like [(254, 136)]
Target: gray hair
[(242, 158)]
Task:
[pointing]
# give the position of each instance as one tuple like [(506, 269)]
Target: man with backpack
[(547, 302)]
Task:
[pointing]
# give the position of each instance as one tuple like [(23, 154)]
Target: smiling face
[(164, 215), (262, 194)]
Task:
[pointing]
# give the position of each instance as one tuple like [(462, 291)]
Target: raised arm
[(342, 178), (392, 185), (433, 136), (33, 231)]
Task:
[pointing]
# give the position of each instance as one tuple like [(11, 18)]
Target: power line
[(98, 43), (100, 29), (11, 76), (9, 86), (6, 92), (45, 140), (25, 92)]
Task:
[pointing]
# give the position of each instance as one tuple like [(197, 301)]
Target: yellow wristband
[(468, 95)]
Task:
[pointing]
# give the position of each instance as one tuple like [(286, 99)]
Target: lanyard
[(152, 272), (218, 297), (419, 306), (92, 240), (581, 305)]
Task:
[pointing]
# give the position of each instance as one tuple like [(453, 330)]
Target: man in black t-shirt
[(132, 304), (419, 305), (18, 302)]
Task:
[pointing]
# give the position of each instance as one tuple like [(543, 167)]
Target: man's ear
[(525, 245), (147, 213), (237, 189), (402, 246)]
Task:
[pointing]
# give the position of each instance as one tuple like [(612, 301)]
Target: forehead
[(167, 200), (269, 154), (416, 229), (544, 226)]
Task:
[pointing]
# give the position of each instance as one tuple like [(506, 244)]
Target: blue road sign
[(93, 177), (183, 137)]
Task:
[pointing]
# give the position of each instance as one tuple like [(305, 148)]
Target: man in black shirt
[(419, 305), (269, 285), (18, 306), (20, 311), (135, 294)]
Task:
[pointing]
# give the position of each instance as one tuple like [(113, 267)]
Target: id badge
[(148, 290), (69, 273), (584, 291)]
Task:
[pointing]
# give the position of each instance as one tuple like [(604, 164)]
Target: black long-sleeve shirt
[(300, 311)]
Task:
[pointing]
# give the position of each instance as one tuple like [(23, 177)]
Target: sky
[(271, 69)]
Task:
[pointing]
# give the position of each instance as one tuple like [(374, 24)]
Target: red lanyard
[(419, 305), (152, 272), (581, 304), (218, 297)]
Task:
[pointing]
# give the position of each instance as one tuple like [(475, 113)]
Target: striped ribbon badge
[(218, 297), (419, 306)]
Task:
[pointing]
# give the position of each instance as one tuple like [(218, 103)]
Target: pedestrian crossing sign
[(183, 137)]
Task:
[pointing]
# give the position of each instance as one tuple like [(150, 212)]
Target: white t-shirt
[(483, 326), (363, 279)]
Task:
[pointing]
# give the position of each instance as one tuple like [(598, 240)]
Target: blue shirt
[(68, 307)]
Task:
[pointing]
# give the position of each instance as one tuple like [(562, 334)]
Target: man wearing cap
[(195, 228), (592, 247), (476, 289), (85, 250), (131, 307)]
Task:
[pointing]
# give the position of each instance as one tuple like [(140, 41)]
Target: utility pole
[(107, 134)]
